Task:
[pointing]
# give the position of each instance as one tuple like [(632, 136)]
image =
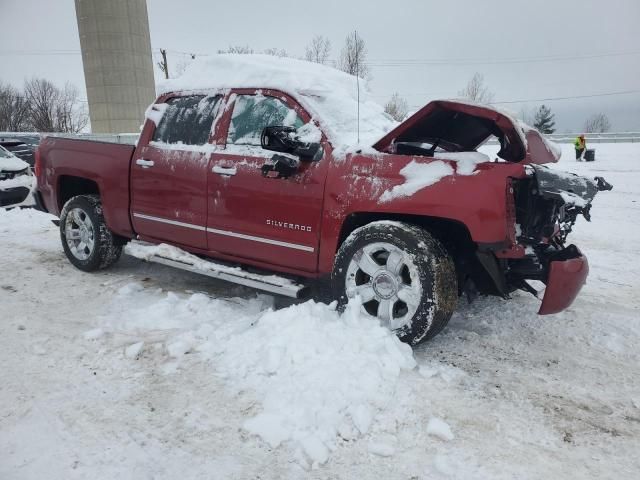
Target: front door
[(270, 220), (169, 174)]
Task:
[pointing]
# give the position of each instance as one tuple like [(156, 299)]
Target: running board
[(176, 258)]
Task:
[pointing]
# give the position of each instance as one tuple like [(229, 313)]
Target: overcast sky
[(525, 50)]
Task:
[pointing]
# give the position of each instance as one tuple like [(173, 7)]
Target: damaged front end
[(547, 204)]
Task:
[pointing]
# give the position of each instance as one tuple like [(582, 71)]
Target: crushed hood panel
[(462, 127)]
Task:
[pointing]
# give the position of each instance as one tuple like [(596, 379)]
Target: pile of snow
[(317, 375), (330, 95)]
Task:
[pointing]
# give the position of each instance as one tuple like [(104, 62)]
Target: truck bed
[(68, 166)]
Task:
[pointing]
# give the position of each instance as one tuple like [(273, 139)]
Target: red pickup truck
[(252, 177)]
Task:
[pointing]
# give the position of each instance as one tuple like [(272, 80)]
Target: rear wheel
[(87, 242), (403, 276)]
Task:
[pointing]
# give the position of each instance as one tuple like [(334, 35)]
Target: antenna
[(355, 36)]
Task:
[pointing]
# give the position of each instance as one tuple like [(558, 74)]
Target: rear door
[(169, 174), (269, 220)]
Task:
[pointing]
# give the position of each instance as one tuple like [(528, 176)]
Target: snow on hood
[(330, 95), (9, 162)]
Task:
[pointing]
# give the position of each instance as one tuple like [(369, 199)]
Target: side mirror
[(283, 139)]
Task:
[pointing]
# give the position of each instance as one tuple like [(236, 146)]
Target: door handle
[(144, 163), (224, 170)]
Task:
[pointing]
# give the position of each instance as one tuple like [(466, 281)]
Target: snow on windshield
[(330, 96)]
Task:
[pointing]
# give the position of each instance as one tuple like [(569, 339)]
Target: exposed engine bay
[(547, 205)]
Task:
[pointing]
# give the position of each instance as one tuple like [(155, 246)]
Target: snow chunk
[(447, 373), (93, 334), (440, 429), (132, 351), (269, 427), (381, 448), (465, 161), (417, 176)]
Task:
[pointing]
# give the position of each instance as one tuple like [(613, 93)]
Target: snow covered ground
[(142, 371)]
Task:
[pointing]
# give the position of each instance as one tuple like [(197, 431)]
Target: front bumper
[(567, 274), (17, 191)]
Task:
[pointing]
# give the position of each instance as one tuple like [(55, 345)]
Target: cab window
[(187, 120), (251, 113)]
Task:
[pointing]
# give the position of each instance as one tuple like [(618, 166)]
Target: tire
[(411, 285), (82, 223)]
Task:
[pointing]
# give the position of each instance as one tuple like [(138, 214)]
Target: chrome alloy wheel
[(79, 233), (387, 281)]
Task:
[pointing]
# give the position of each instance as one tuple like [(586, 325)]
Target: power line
[(552, 99), (408, 62), (405, 62), (39, 52), (608, 94)]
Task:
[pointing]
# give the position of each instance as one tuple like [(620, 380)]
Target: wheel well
[(69, 187), (452, 234)]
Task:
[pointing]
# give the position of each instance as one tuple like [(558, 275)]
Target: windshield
[(4, 153)]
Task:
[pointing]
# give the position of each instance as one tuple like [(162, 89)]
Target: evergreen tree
[(544, 120)]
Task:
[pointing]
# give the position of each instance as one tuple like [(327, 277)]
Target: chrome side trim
[(269, 241), (227, 233), (170, 222)]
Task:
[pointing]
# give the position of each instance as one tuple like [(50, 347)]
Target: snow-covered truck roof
[(330, 95)]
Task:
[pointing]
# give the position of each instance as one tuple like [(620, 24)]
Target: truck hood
[(458, 126)]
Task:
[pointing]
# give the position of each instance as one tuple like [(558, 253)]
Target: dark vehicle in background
[(22, 145)]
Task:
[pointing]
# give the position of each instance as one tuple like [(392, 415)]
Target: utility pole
[(164, 66)]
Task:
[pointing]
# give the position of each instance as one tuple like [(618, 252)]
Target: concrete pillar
[(117, 61)]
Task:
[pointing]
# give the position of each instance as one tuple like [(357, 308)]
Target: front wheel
[(403, 276), (87, 242)]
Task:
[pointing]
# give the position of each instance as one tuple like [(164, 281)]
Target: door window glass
[(251, 113), (187, 120)]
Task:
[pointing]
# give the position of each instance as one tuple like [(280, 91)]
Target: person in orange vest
[(581, 147)]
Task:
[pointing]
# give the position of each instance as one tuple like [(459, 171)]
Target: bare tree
[(14, 110), (52, 109), (598, 123), (397, 107), (42, 96), (354, 56), (237, 49), (318, 50), (276, 52), (476, 90), (70, 114)]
